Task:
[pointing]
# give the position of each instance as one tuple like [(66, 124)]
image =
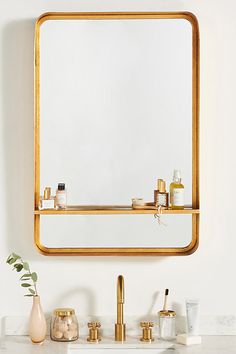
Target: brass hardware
[(167, 313), (147, 331), (94, 335), (120, 326), (62, 312)]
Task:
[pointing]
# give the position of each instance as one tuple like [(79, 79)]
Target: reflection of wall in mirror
[(115, 107)]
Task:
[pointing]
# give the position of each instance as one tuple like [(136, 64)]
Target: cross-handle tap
[(94, 335), (147, 331), (120, 326)]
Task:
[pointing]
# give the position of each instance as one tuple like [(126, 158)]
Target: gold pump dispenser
[(120, 326)]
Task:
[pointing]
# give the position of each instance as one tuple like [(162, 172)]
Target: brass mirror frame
[(195, 143)]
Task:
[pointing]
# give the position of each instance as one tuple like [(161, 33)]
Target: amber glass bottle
[(162, 196)]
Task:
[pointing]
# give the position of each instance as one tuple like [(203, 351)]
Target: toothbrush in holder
[(165, 300)]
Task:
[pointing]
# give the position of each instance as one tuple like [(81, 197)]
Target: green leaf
[(11, 261), (25, 266), (16, 256), (34, 277), (26, 275), (18, 267), (28, 295), (12, 258), (31, 291), (26, 285), (9, 257)]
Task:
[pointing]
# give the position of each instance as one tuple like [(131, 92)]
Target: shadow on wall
[(72, 296), (18, 114)]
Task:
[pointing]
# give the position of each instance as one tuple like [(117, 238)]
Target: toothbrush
[(165, 300)]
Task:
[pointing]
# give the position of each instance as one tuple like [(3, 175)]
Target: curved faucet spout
[(120, 290), (120, 326)]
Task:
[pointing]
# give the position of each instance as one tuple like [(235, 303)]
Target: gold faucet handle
[(94, 335), (146, 324), (94, 324), (147, 331)]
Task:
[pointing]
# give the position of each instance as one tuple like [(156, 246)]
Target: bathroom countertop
[(22, 345), (211, 345)]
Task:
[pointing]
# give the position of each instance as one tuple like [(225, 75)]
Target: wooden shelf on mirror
[(111, 209)]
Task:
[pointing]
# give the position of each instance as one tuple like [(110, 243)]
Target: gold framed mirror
[(116, 107)]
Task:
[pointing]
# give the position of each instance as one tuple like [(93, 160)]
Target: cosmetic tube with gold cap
[(162, 195), (47, 201)]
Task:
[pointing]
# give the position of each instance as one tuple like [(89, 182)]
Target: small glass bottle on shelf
[(47, 201), (162, 195), (177, 191), (61, 196), (156, 190)]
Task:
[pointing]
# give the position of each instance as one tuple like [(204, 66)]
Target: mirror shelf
[(112, 209)]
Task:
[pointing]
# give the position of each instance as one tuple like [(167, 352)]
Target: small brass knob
[(147, 331), (94, 335)]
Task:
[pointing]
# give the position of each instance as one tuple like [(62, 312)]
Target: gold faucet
[(120, 326)]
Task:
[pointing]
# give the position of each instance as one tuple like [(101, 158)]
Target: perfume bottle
[(162, 195), (156, 190), (47, 201), (177, 191), (61, 196)]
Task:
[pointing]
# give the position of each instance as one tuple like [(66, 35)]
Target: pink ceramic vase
[(37, 322)]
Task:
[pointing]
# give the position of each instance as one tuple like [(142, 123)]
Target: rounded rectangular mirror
[(116, 108)]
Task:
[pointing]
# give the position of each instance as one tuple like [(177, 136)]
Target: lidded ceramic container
[(64, 325)]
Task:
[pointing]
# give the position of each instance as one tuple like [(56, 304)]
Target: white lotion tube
[(192, 310)]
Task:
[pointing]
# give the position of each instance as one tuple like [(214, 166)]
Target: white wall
[(89, 283)]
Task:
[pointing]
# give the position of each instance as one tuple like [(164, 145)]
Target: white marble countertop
[(23, 345)]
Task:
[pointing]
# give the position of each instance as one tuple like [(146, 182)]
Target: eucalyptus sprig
[(28, 279)]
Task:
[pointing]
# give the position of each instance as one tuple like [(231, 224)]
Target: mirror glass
[(115, 115)]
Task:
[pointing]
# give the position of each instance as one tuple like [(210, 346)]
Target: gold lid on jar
[(61, 312), (167, 313)]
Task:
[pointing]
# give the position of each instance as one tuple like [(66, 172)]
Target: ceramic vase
[(37, 322)]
